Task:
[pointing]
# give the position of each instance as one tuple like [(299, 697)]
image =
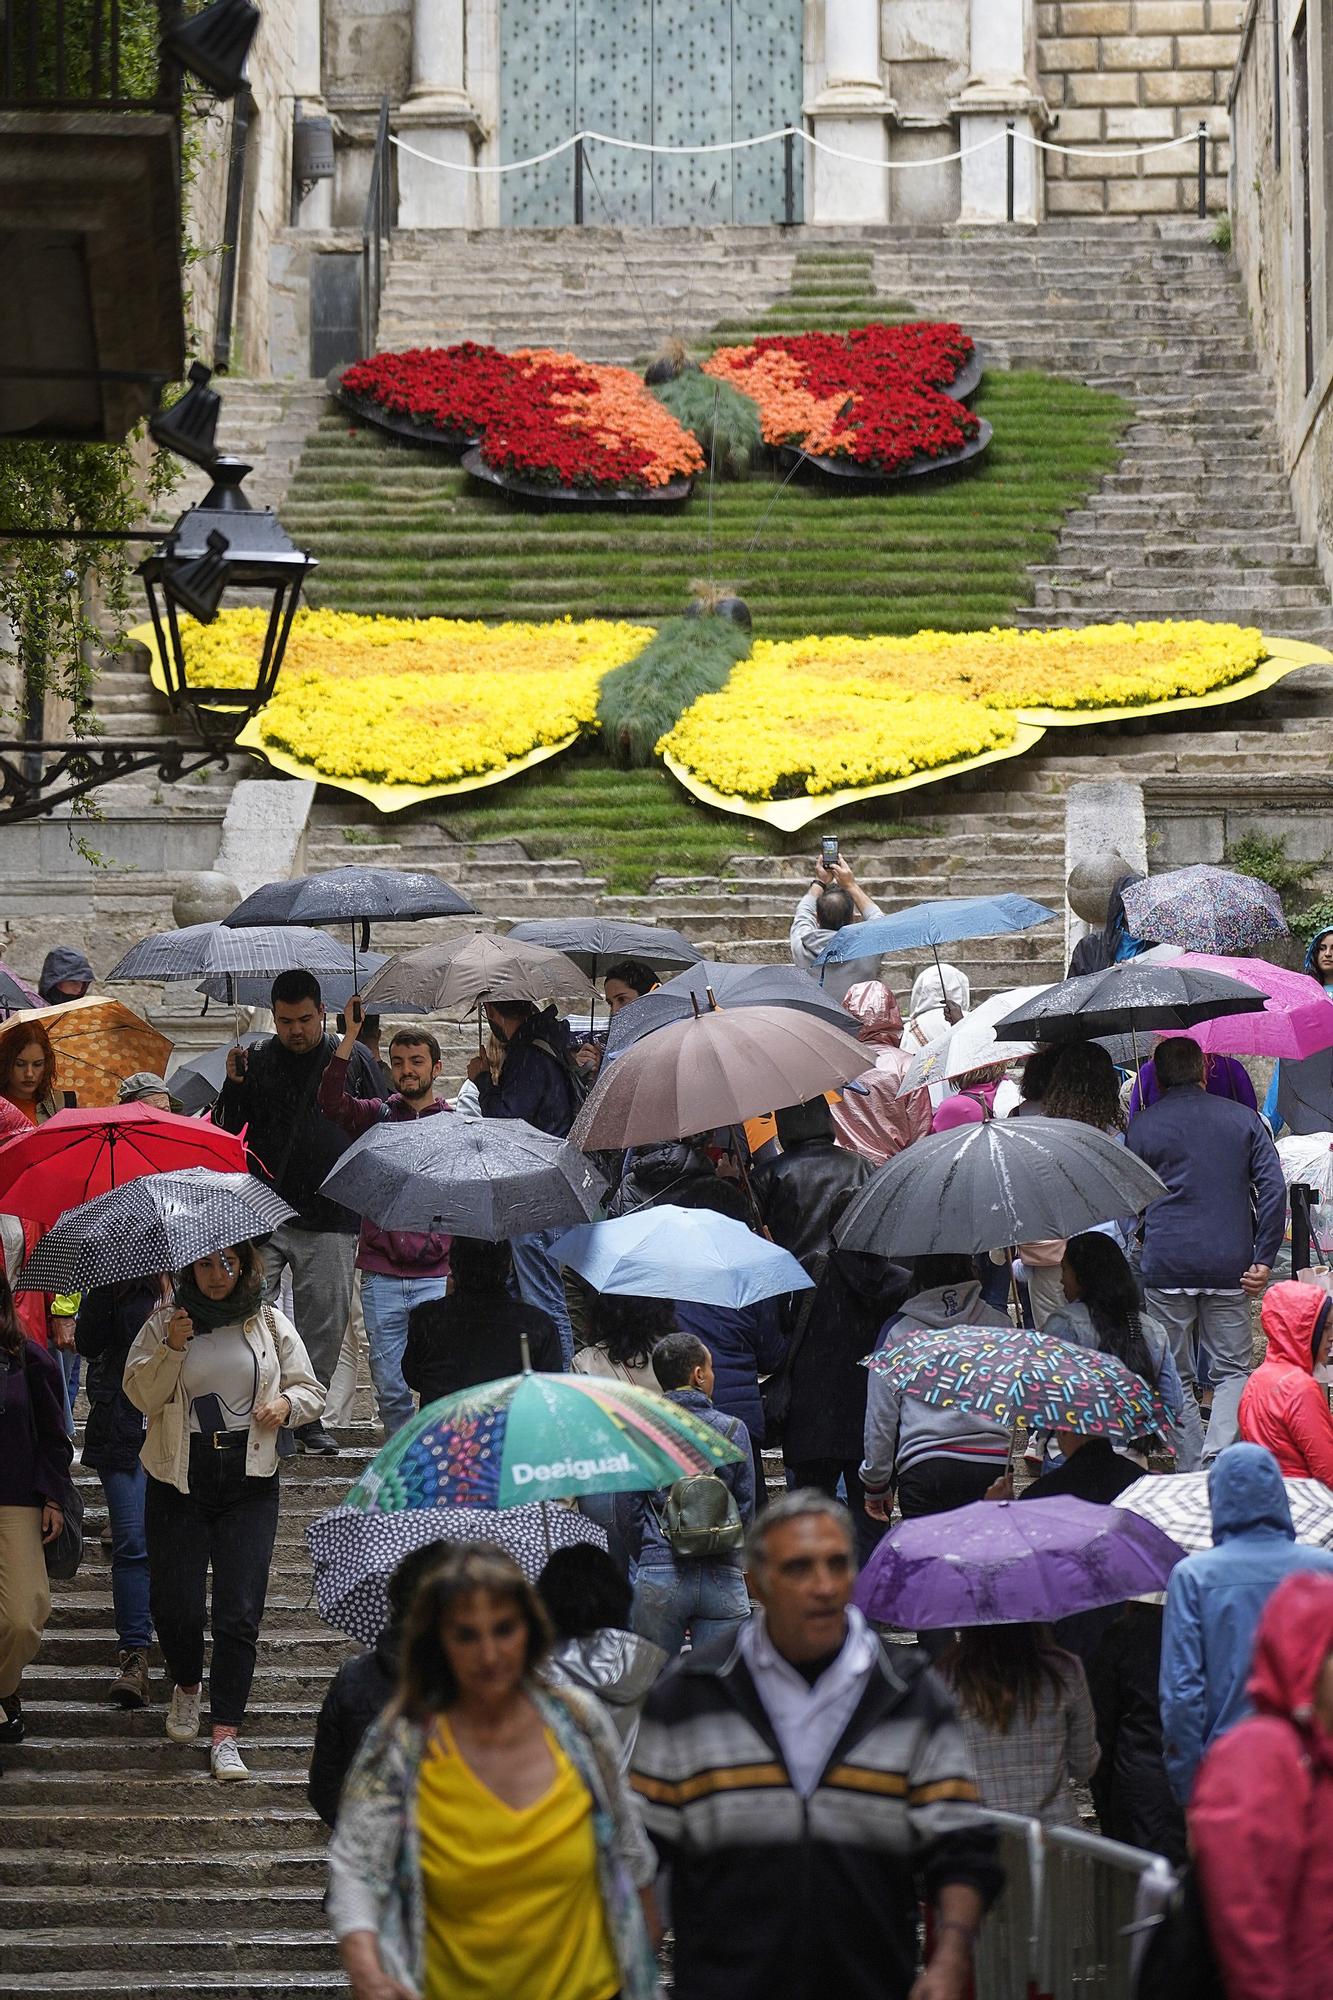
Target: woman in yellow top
[(487, 1847)]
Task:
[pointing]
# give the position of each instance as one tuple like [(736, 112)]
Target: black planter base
[(403, 428), (674, 494), (843, 473)]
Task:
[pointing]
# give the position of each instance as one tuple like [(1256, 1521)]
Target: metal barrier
[(376, 231), (1071, 1917)]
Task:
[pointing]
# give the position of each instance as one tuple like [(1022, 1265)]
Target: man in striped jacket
[(800, 1781)]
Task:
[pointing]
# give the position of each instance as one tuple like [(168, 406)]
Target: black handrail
[(376, 228), (104, 56), (242, 109)]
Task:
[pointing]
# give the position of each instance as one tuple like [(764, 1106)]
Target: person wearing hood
[(678, 1172), (1261, 1819), (588, 1602), (1215, 1600), (834, 899), (796, 1191), (1300, 1094), (362, 1688), (1114, 941), (66, 975), (1283, 1406), (936, 1459), (941, 996), (872, 1119)]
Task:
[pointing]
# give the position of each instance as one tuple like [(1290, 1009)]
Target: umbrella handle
[(747, 1185), (525, 1354)]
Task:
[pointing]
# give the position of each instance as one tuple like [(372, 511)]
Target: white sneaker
[(183, 1715), (225, 1760)]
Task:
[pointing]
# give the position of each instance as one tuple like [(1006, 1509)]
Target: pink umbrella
[(1297, 1018)]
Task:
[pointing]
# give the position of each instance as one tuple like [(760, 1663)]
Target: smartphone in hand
[(828, 850)]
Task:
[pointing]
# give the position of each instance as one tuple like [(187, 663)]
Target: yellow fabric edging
[(394, 798), (790, 815)]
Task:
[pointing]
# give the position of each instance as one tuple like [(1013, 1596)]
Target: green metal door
[(665, 72)]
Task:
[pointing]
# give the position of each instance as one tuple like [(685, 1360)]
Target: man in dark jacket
[(797, 1191), (400, 1269), (109, 1322), (272, 1094), (797, 1778), (476, 1334), (678, 1172), (361, 1688), (1209, 1243), (536, 1082)]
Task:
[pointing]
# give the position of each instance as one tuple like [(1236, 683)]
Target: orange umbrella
[(98, 1043)]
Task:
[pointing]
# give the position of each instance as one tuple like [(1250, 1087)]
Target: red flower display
[(873, 397)]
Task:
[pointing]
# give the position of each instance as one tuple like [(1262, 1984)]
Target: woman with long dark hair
[(35, 1455), (1027, 1716), (1082, 1084), (29, 1073), (619, 1337), (1102, 1310), (486, 1842), (218, 1374)]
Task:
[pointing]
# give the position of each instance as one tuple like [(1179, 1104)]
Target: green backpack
[(702, 1520)]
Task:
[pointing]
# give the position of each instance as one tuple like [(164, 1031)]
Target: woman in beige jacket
[(219, 1376)]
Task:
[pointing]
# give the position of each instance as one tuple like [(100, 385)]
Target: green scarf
[(209, 1313)]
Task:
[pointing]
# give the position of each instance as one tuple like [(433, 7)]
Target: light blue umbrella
[(943, 922), (691, 1254)]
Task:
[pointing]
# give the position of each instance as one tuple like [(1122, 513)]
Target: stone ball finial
[(204, 898), (1088, 886)]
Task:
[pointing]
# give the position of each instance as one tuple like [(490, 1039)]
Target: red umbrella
[(78, 1154)]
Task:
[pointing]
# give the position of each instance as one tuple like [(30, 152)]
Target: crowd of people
[(696, 1724)]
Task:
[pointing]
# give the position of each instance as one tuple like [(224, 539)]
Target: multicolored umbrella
[(1010, 1376), (1012, 1562), (355, 1553), (1297, 1018), (1178, 1505), (78, 1154), (1204, 909), (98, 1043), (538, 1437)]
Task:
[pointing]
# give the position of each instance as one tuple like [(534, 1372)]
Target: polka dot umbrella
[(159, 1222)]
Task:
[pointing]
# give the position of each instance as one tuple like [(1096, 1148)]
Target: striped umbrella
[(208, 951)]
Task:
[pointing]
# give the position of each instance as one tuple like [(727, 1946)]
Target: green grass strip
[(641, 700)]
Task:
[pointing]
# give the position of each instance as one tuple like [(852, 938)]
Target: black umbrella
[(645, 1016), (196, 1085), (487, 1177), (1011, 1180), (14, 997), (214, 953), (160, 1222), (1127, 999), (748, 985), (350, 896), (590, 940)]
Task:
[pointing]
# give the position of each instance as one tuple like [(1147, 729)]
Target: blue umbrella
[(943, 922), (691, 1254)]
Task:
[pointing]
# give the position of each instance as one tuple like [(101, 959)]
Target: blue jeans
[(129, 1558), (540, 1284), (385, 1304), (704, 1599)]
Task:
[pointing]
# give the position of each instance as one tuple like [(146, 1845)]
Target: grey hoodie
[(901, 1430), (619, 1668)]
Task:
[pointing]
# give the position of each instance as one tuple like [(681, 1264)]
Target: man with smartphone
[(833, 900)]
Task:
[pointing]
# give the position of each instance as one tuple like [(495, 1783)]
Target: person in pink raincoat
[(871, 1118)]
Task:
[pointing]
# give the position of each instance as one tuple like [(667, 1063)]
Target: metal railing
[(376, 229), (87, 55)]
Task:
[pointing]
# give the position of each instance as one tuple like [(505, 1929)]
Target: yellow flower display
[(416, 702), (821, 715)]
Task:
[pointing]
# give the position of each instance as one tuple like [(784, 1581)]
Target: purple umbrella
[(1012, 1562)]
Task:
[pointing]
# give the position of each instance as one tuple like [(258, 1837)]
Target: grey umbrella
[(211, 951), (336, 988), (591, 941), (488, 1177), (1127, 999), (1010, 1180), (352, 896), (761, 986), (197, 1084), (160, 1222), (464, 972)]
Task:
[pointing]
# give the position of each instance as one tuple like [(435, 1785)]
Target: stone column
[(851, 113), (316, 210), (999, 87), (439, 117)]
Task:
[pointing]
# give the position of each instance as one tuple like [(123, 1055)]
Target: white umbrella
[(970, 1043)]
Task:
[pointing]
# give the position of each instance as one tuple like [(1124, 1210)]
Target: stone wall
[(1138, 71), (925, 49), (1269, 196)]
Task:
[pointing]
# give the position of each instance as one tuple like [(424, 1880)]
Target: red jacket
[(1261, 1817), (1283, 1406)]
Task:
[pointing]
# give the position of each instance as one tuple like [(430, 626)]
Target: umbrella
[(489, 1177), (1127, 999), (1297, 1018), (725, 1066), (680, 1253), (464, 972), (336, 988), (1012, 1562), (79, 1154), (1178, 1505), (1010, 1180), (971, 1043), (1009, 1375), (946, 921), (529, 1436), (759, 986), (645, 1016), (355, 1554), (197, 1084), (1204, 909), (590, 940), (16, 992), (352, 895), (159, 1222), (98, 1043), (220, 956)]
